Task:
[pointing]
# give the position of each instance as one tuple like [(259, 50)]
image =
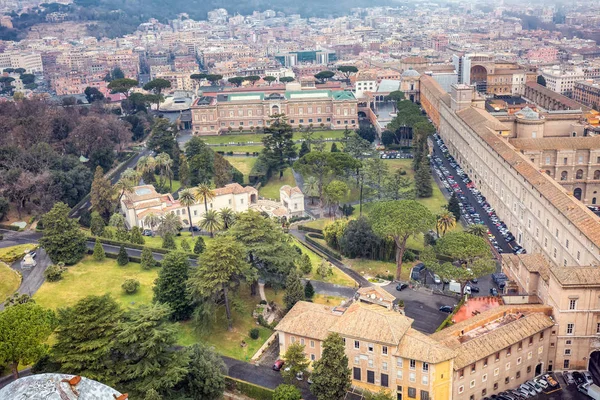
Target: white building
[(562, 81), (31, 62), (365, 85), (292, 199), (144, 200)]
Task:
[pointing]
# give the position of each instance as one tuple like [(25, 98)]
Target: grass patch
[(401, 163), (9, 281), (256, 138), (374, 267), (228, 343), (317, 223), (90, 277), (271, 189), (11, 254), (242, 164), (176, 184), (328, 300), (338, 278)]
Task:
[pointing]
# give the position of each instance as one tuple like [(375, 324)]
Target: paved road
[(330, 289)]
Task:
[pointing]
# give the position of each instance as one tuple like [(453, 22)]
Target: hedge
[(114, 256), (329, 252), (10, 227), (134, 246), (249, 389), (309, 229)]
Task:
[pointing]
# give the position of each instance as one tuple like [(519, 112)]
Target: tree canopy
[(331, 375), (62, 239)]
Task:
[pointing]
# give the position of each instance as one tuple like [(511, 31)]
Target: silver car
[(568, 378), (588, 376), (527, 389)]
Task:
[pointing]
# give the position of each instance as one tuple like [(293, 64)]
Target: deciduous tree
[(399, 220), (62, 239), (295, 362), (23, 330), (102, 194)]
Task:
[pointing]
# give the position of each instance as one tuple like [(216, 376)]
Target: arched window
[(579, 174), (275, 110), (577, 193), (597, 174), (564, 176)]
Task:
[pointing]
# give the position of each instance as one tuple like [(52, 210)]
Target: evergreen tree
[(199, 246), (99, 254), (279, 147), (334, 148), (136, 236), (423, 181), (185, 246), (84, 337), (122, 257), (184, 171), (144, 352), (168, 242), (205, 379), (309, 291), (97, 224), (295, 362), (62, 239), (287, 392), (331, 375), (294, 292), (147, 259), (305, 264), (102, 194), (453, 206), (152, 395), (170, 286), (304, 149)]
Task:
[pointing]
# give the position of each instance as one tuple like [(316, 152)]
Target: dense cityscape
[(315, 201)]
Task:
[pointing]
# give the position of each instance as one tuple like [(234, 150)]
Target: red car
[(278, 365)]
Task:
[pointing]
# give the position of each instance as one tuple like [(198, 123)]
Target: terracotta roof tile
[(308, 320), (557, 143)]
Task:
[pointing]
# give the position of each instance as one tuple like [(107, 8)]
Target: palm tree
[(211, 222), (169, 224), (477, 230), (164, 163), (187, 199), (311, 188), (128, 180), (152, 220), (227, 216), (145, 164), (445, 222), (204, 193)]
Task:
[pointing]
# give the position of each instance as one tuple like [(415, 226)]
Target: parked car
[(568, 376), (401, 286), (194, 228), (528, 389), (579, 378), (535, 386), (147, 232), (446, 309), (542, 382), (436, 278), (278, 365), (474, 289), (588, 377), (32, 254), (494, 291)]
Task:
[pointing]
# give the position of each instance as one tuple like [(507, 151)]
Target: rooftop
[(57, 387), (474, 306)]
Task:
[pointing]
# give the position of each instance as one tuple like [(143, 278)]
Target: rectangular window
[(312, 357), (473, 368), (356, 374), (425, 380), (566, 364), (412, 377), (384, 366), (485, 362), (370, 347), (572, 304), (412, 393), (312, 344), (598, 327), (370, 362), (384, 380), (519, 360), (384, 350), (399, 362), (356, 360), (425, 367), (413, 364), (356, 344), (570, 329), (399, 374), (508, 351), (496, 371), (483, 377), (567, 352), (302, 341), (371, 376), (424, 395)]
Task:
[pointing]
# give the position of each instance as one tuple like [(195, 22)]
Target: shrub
[(263, 322), (130, 286), (147, 259), (122, 258), (99, 253), (408, 256), (305, 264), (54, 273), (185, 246), (169, 242), (199, 246), (254, 333), (309, 290)]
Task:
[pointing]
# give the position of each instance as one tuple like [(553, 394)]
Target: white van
[(454, 287)]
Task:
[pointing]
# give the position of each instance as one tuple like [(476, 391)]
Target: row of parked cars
[(528, 389), (391, 154), (468, 211)]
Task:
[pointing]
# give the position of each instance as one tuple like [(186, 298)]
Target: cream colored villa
[(144, 200)]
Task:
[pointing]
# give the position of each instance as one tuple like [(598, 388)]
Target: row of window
[(484, 391), (384, 382), (507, 353)]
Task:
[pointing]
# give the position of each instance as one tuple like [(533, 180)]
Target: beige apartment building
[(559, 232), (247, 111), (574, 295), (494, 351)]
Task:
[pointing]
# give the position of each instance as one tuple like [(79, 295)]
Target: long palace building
[(249, 111)]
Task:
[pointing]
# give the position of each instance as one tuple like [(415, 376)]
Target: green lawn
[(328, 300), (238, 149), (338, 277), (317, 223), (90, 277), (242, 164), (271, 189), (404, 164), (373, 267), (226, 342), (176, 184), (9, 281), (13, 253), (256, 138)]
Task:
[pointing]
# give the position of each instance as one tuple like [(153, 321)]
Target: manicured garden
[(271, 189), (242, 164), (256, 138), (9, 281), (338, 277), (14, 253), (374, 268), (90, 277)]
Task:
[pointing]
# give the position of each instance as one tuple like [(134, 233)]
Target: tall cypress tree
[(423, 181), (170, 286), (102, 194), (294, 291), (84, 337), (122, 257), (331, 375)]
